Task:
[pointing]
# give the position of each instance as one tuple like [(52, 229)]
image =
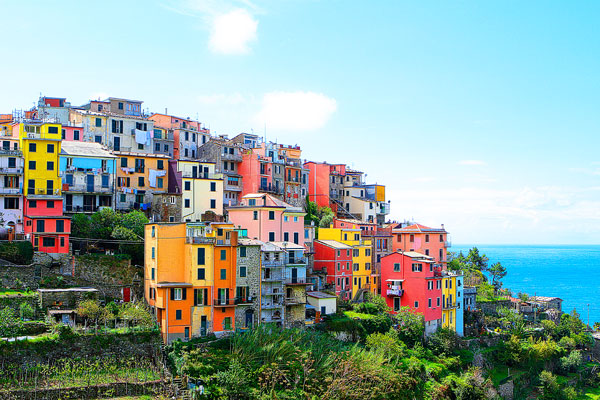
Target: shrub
[(18, 252), (571, 362)]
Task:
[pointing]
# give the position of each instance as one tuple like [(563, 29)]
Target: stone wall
[(29, 276), (109, 275), (14, 302), (67, 298), (251, 281), (491, 307)]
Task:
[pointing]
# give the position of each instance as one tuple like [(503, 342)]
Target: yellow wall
[(41, 139), (449, 315), (200, 195), (380, 193), (149, 163)]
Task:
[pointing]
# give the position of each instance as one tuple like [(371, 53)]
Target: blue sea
[(569, 272)]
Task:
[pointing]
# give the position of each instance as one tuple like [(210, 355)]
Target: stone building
[(247, 293), (166, 207)]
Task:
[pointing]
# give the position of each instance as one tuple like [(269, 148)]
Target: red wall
[(326, 259)]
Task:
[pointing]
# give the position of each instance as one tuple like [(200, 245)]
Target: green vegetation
[(321, 216), (17, 252), (17, 292)]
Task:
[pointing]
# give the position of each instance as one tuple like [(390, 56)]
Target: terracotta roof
[(417, 228)]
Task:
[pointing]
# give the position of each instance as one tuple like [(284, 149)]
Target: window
[(120, 106), (50, 203), (227, 323), (75, 135), (48, 241), (441, 238), (178, 315), (286, 236), (285, 218), (356, 266), (412, 238), (186, 203), (223, 255), (223, 273), (124, 162), (12, 162), (140, 146), (417, 268), (201, 274), (426, 238), (104, 180), (12, 203), (201, 254), (252, 202), (98, 139), (368, 266), (255, 215), (141, 181), (355, 252), (242, 271), (242, 252), (187, 185), (213, 186), (140, 165), (426, 252), (296, 239), (271, 236), (429, 303), (397, 304), (338, 266), (159, 183), (178, 294), (50, 166), (368, 252), (416, 304), (52, 129), (159, 163), (98, 122), (213, 203), (40, 226), (31, 164), (438, 302), (50, 148), (271, 215), (153, 253)]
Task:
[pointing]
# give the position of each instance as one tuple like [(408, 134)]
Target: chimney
[(442, 226)]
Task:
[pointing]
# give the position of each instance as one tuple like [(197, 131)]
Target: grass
[(500, 372), (352, 314), (15, 292), (590, 394)]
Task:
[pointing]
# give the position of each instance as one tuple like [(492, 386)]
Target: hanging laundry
[(140, 136)]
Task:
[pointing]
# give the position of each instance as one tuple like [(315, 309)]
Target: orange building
[(189, 278)]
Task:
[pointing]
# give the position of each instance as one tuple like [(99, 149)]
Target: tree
[(90, 310), (550, 389), (10, 324), (137, 314), (103, 223), (134, 221), (477, 261), (26, 311), (81, 225), (410, 326), (326, 217), (498, 272)]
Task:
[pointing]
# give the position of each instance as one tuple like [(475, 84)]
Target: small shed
[(324, 303)]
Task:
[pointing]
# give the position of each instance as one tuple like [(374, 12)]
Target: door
[(49, 187), (323, 310), (249, 318), (194, 172), (66, 319), (203, 325), (126, 295), (294, 275), (89, 180), (69, 202), (117, 143)]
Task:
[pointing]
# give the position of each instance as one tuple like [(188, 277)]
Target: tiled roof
[(417, 228), (86, 149), (334, 244)]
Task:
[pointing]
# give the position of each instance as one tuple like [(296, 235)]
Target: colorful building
[(11, 182), (190, 278), (334, 260), (200, 186), (432, 242), (88, 177), (272, 306), (363, 278), (409, 279), (227, 157), (326, 183), (139, 176), (188, 135), (452, 301), (248, 288), (268, 219)]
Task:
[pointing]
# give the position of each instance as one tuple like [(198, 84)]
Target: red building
[(335, 260), (410, 279), (432, 242), (45, 225), (325, 183)]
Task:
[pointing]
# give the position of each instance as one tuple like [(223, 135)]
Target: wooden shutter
[(183, 293), (172, 294)]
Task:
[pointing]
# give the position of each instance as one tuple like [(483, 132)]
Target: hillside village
[(117, 219)]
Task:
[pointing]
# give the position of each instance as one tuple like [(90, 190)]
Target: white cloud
[(295, 111), (472, 162), (232, 33)]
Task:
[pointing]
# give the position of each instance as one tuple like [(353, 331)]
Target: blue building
[(460, 309), (88, 177)]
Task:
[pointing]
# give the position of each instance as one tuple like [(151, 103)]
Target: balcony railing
[(294, 300), (223, 242), (11, 170), (272, 278), (297, 261), (271, 318), (9, 190), (231, 157), (244, 300), (88, 208), (207, 175), (271, 293), (270, 189), (11, 152), (270, 306), (294, 163), (86, 188), (448, 243), (395, 292), (232, 188), (199, 240), (295, 281), (273, 263), (224, 302), (449, 306)]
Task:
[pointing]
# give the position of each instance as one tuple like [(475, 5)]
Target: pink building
[(72, 133), (257, 173), (268, 219), (432, 242)]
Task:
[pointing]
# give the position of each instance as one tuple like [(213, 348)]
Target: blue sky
[(479, 115)]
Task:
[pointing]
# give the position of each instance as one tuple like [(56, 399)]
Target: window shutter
[(227, 296), (195, 297), (205, 297), (183, 293), (172, 294), (121, 126)]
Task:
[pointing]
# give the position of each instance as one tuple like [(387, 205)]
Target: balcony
[(9, 190), (223, 242), (232, 188), (296, 281), (231, 157), (272, 263), (271, 306), (224, 302), (44, 192), (80, 209), (395, 292), (11, 152), (207, 175), (297, 261), (87, 189), (449, 306), (270, 189), (271, 319), (291, 301), (384, 208), (11, 170), (271, 293), (448, 243), (243, 300), (199, 240), (293, 163)]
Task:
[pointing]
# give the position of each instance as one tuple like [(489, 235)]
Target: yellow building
[(362, 279), (40, 144), (449, 302), (95, 125), (201, 189)]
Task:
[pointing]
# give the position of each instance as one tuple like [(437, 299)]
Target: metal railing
[(269, 306), (270, 189), (86, 188), (9, 190), (10, 152), (294, 300), (295, 281), (224, 302), (273, 278), (272, 263), (202, 175), (394, 292), (297, 261), (199, 240), (88, 208)]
